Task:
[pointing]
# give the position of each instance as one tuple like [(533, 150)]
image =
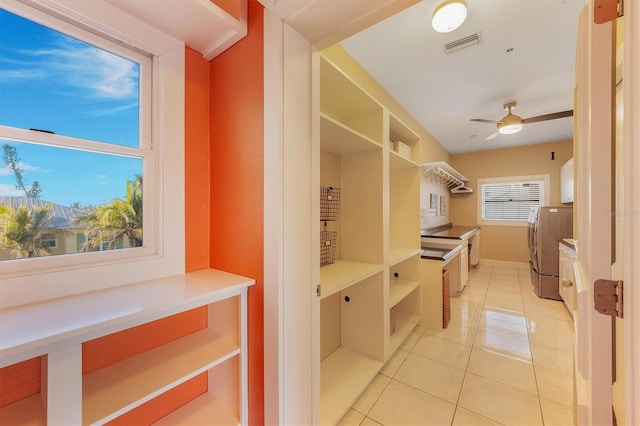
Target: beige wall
[(431, 150), (506, 243)]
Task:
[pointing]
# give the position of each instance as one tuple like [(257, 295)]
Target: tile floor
[(505, 358)]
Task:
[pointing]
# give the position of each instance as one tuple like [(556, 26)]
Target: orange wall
[(237, 165), (197, 161)]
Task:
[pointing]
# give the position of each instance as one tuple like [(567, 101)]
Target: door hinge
[(318, 290), (608, 297), (607, 10)]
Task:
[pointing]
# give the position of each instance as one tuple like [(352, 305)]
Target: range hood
[(443, 173)]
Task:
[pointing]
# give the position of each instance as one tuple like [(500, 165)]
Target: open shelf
[(201, 411), (340, 139), (344, 273), (396, 161), (400, 254), (26, 412), (344, 100), (400, 288), (344, 375), (405, 323), (118, 388)]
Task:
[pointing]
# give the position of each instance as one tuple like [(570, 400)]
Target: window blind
[(511, 201)]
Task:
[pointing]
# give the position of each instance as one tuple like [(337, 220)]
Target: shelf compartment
[(344, 375), (405, 323), (343, 274), (344, 100), (114, 390), (340, 139), (26, 412), (401, 288)]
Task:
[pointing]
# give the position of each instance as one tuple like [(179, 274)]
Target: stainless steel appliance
[(547, 225)]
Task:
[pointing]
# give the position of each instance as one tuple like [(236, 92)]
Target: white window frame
[(545, 179), (163, 254)]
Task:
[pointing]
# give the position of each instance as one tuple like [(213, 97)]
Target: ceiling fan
[(511, 123)]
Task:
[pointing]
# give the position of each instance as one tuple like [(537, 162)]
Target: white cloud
[(12, 76), (101, 73), (8, 190), (25, 167)]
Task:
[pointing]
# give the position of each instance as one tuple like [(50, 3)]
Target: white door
[(607, 225)]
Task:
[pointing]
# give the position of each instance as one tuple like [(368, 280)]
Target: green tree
[(11, 159), (21, 227), (112, 222)]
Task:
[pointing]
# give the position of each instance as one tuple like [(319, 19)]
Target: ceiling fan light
[(509, 129), (449, 16)]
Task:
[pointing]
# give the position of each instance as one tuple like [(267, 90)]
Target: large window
[(75, 128), (92, 161), (508, 201)]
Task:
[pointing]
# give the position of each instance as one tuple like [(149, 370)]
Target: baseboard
[(504, 264)]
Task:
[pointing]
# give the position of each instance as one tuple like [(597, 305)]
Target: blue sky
[(53, 82)]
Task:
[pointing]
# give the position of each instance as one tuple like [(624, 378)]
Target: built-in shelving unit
[(378, 235), (58, 328)]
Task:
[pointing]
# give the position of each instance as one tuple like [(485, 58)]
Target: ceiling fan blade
[(551, 116), (491, 136), (482, 120)]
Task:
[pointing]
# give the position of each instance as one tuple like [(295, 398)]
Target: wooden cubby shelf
[(57, 329), (344, 273), (378, 234), (344, 374), (112, 391)]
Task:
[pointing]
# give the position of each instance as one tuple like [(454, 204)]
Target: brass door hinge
[(608, 297), (607, 10)]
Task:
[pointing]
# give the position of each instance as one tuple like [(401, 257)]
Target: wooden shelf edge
[(399, 255), (118, 388), (345, 374), (365, 142), (26, 412), (337, 277), (399, 162), (201, 411), (400, 289)]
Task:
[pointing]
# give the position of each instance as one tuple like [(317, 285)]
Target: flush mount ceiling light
[(449, 16)]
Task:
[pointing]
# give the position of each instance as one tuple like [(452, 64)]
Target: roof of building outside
[(62, 215)]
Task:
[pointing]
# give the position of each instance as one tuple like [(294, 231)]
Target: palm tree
[(21, 227), (112, 222)]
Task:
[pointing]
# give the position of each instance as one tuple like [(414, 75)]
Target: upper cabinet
[(566, 182)]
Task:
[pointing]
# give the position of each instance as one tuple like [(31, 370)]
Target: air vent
[(468, 41)]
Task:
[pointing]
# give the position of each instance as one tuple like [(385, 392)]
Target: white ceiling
[(444, 90)]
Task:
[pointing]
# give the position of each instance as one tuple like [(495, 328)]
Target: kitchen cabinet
[(370, 296), (58, 328), (448, 236), (566, 182)]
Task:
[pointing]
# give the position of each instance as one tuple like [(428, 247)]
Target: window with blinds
[(508, 201)]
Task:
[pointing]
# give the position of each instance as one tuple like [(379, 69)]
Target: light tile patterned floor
[(505, 359)]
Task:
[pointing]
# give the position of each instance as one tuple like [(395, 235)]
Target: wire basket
[(329, 203), (328, 247)]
